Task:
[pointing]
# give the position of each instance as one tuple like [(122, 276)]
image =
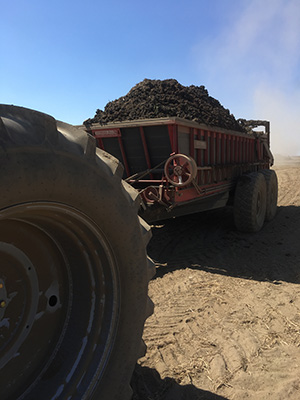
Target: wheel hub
[(21, 300), (3, 300), (178, 170)]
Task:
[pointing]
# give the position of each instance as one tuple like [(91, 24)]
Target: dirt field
[(227, 307)]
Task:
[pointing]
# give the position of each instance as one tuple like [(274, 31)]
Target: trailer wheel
[(250, 202), (272, 192), (74, 272)]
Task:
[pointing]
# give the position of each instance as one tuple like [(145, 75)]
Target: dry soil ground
[(227, 307)]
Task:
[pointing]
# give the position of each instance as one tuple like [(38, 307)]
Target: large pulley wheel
[(180, 170), (73, 288), (151, 194)]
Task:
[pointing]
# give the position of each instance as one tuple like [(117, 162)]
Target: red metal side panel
[(223, 147), (100, 143), (232, 150), (103, 133), (237, 149), (172, 128), (212, 148), (228, 147), (145, 147), (125, 162), (192, 134), (218, 149), (206, 152)]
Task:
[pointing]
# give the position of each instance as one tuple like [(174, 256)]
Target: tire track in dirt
[(289, 184), (217, 332)]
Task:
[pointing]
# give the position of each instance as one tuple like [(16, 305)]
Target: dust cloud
[(257, 70), (282, 109)]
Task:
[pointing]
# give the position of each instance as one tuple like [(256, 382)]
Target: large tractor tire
[(272, 192), (74, 273), (250, 202)]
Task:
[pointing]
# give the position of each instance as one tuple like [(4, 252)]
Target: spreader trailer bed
[(181, 167)]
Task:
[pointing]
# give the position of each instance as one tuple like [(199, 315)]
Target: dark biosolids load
[(167, 98)]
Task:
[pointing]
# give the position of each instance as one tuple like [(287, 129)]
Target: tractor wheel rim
[(59, 302)]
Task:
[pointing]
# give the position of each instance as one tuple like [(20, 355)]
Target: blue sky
[(68, 58)]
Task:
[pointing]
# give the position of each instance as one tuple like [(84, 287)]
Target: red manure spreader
[(181, 167)]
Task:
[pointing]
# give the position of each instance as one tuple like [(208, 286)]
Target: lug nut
[(2, 303)]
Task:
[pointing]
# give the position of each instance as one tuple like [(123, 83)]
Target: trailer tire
[(272, 192), (74, 271), (250, 201)]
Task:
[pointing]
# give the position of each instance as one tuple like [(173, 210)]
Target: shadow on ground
[(209, 241), (148, 385)]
